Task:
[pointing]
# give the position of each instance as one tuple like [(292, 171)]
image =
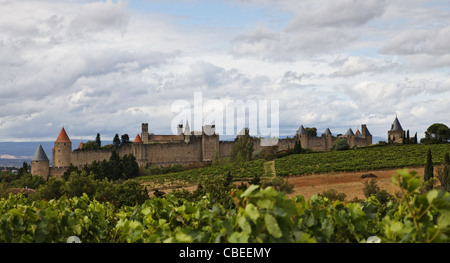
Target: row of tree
[(116, 168), (107, 180), (118, 142)]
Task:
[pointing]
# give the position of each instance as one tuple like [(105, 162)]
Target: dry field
[(349, 183)]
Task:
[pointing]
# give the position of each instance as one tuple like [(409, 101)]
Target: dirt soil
[(349, 183)]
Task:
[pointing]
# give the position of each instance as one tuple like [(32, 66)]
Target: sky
[(108, 66)]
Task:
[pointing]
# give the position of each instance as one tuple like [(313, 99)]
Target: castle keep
[(186, 147)]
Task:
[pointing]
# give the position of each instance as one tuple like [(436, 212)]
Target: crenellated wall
[(185, 149)]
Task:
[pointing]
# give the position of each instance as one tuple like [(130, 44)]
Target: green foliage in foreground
[(261, 215)]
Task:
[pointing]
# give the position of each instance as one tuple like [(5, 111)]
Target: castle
[(186, 147)]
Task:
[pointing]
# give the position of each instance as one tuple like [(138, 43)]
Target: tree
[(340, 145), (23, 170), (53, 189), (80, 183), (443, 173), (114, 165), (130, 168), (242, 150), (91, 145), (298, 147), (124, 139), (98, 141), (436, 133), (312, 132), (429, 167), (116, 141)]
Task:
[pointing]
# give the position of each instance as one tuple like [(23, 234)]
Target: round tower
[(63, 150), (395, 134), (40, 163)]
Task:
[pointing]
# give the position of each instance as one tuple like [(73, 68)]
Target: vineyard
[(363, 159), (195, 176), (260, 215)]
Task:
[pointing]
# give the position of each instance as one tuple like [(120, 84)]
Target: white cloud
[(355, 65), (99, 66)]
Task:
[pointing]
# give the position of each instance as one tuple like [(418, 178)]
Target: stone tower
[(365, 133), (62, 151), (40, 163), (303, 136), (144, 135), (395, 134), (210, 143)]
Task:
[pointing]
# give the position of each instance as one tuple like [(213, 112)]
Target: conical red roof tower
[(63, 136), (138, 139)]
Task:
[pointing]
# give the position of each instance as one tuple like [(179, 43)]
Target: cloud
[(355, 65), (419, 41), (101, 66), (319, 14), (318, 27), (100, 16)]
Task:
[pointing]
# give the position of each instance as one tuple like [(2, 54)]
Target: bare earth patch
[(349, 183)]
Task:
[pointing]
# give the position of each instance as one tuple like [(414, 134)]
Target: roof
[(327, 132), (39, 155), (62, 137), (349, 132), (80, 146), (138, 139), (301, 131), (367, 132), (396, 125)]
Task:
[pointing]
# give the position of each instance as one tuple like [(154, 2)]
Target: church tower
[(62, 150)]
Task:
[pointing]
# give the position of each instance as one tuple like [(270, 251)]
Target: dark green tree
[(436, 133), (297, 147), (312, 132), (445, 176), (90, 145), (52, 189), (116, 141), (129, 166), (23, 170), (124, 140), (114, 166), (80, 183), (429, 167), (72, 168), (98, 140), (130, 193), (340, 145), (242, 150)]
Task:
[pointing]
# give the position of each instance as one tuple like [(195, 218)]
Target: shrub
[(333, 195), (340, 145)]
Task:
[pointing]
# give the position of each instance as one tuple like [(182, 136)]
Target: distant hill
[(15, 153)]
